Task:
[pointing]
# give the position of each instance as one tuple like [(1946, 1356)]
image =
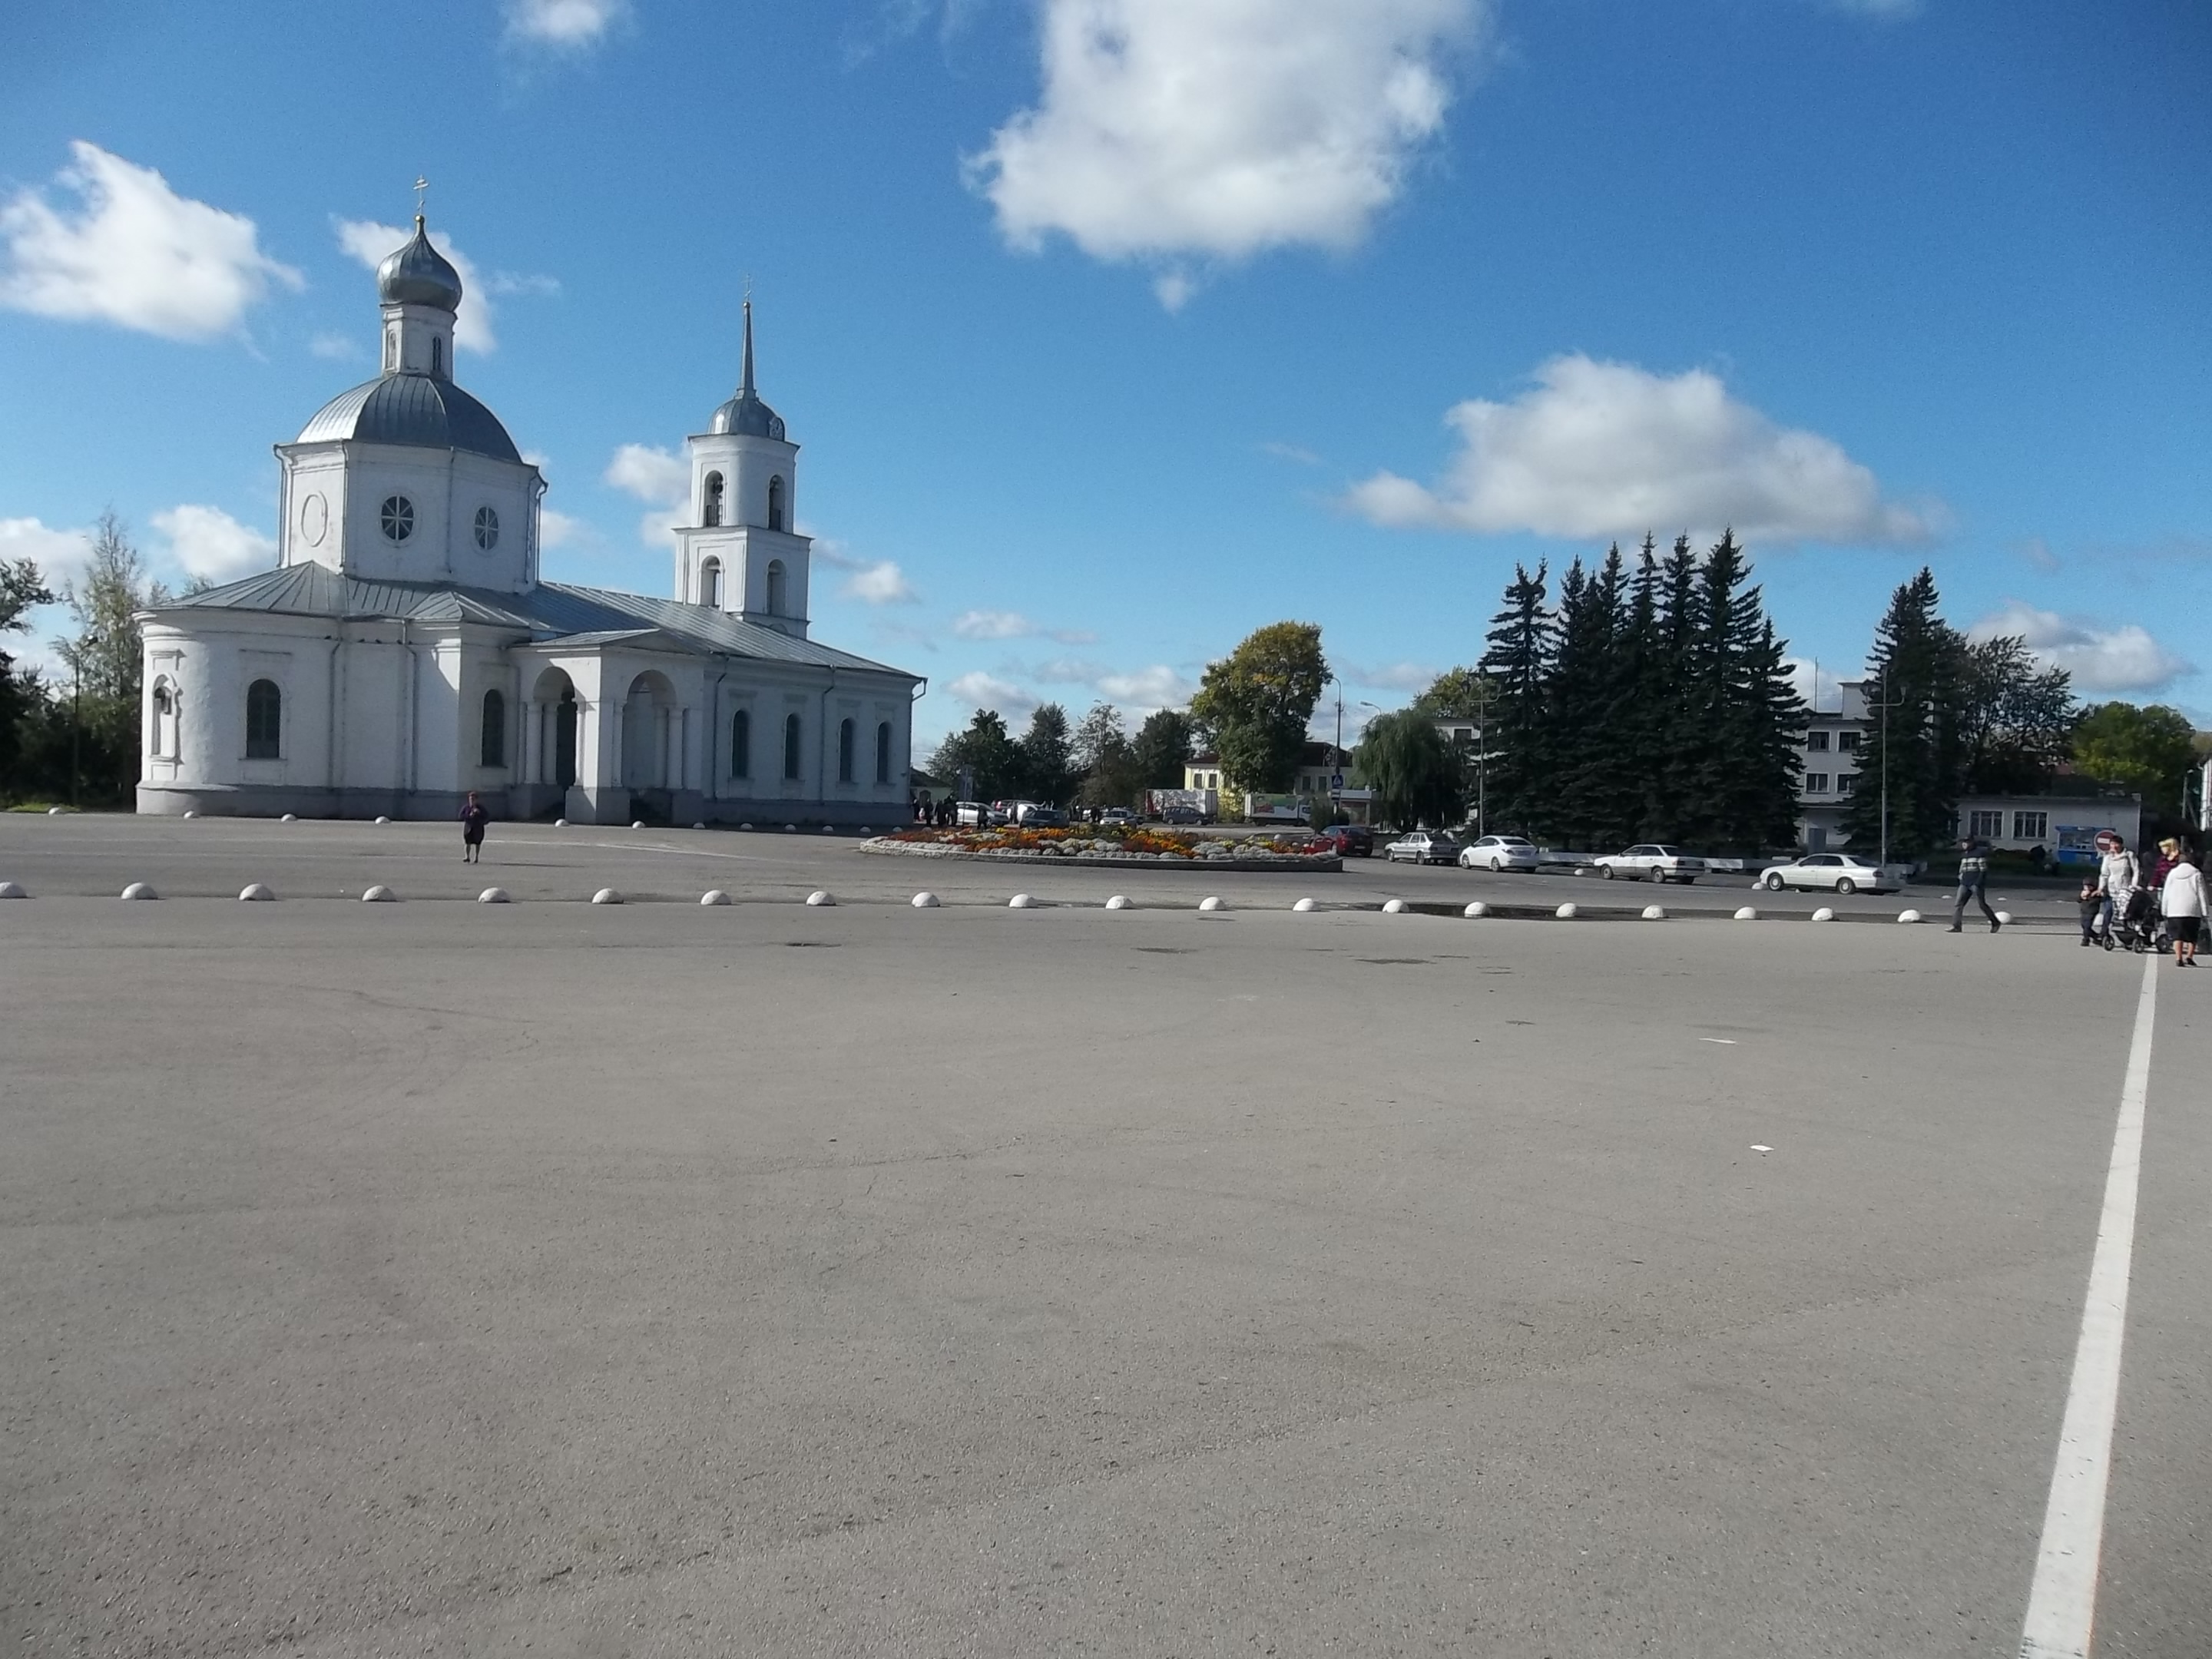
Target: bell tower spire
[(745, 378)]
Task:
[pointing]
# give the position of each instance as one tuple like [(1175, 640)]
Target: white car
[(1423, 846), (1499, 852), (1650, 861), (1836, 873)]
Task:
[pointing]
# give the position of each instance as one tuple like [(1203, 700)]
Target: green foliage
[(105, 657), (1916, 741), (1652, 703), (1106, 759), (1047, 757), (1162, 744), (1457, 693), (2145, 749), (23, 700), (1253, 705), (2016, 717), (986, 750), (1417, 776)]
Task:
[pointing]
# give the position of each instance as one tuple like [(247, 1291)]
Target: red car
[(1350, 841)]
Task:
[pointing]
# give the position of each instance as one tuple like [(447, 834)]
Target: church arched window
[(778, 587), (845, 752), (775, 503), (791, 735), (710, 582), (165, 722), (494, 752), (265, 721), (396, 515), (710, 501), (883, 751), (437, 357), (741, 744), (391, 349)]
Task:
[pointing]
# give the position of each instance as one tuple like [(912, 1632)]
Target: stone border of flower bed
[(1278, 863)]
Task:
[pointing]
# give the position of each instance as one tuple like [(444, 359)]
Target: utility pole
[(1885, 706)]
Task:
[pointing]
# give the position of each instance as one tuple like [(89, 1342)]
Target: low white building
[(405, 651)]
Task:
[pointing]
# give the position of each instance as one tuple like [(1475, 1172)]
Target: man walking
[(1974, 882)]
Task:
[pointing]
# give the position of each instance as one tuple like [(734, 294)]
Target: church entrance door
[(564, 739)]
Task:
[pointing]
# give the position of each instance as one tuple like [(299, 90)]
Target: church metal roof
[(418, 410), (551, 613)]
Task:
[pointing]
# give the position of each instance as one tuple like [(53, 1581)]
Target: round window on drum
[(487, 529), (397, 517)]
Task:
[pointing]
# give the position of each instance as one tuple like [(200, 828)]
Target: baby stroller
[(2137, 922)]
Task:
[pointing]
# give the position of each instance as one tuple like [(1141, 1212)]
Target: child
[(2091, 899)]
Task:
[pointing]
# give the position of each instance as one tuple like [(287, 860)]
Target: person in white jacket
[(2183, 900)]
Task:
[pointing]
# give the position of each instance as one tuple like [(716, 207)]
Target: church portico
[(404, 651)]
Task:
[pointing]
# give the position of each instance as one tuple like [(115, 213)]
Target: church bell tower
[(740, 553)]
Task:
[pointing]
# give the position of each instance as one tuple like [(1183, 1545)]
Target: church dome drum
[(415, 410)]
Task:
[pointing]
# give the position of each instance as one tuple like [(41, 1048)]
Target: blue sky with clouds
[(1112, 329)]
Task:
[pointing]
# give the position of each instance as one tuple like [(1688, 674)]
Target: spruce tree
[(1912, 738), (1518, 662)]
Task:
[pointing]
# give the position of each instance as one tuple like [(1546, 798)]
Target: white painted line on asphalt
[(2062, 1604)]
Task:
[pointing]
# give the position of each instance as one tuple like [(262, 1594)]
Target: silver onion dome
[(745, 415), (418, 275)]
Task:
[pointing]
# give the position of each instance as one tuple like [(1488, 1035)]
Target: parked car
[(1181, 812), (1423, 846), (971, 814), (1650, 861), (1840, 872), (1349, 841), (1031, 815), (1499, 852), (1117, 815)]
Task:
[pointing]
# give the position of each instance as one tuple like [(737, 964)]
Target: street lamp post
[(77, 713), (1885, 706)]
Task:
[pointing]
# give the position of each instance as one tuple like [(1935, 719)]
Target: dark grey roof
[(552, 612), (418, 275), (419, 410)]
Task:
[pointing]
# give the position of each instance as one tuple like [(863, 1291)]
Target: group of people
[(2123, 905), (937, 812)]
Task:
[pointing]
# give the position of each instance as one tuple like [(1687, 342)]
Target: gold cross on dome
[(421, 188)]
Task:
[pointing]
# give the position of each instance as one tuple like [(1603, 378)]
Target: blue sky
[(1112, 329)]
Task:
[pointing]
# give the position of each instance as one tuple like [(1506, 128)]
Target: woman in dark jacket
[(473, 819)]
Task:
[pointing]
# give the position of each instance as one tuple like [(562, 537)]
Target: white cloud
[(134, 253), (1390, 676), (59, 554), (338, 348), (1600, 449), (660, 477), (1012, 625), (1283, 451), (1147, 689), (562, 529), (2123, 658), (1216, 129), (1883, 8), (880, 583), (206, 541), (981, 690), (570, 25), (1818, 687), (369, 243)]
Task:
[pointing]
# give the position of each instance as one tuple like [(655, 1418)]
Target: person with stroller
[(2117, 878)]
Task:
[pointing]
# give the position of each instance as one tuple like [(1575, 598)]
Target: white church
[(403, 651)]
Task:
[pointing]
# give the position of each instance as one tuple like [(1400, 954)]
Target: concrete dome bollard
[(1476, 910), (53, 812), (379, 894), (289, 817), (560, 824), (254, 893), (1394, 906), (1908, 915), (790, 828), (637, 823), (1746, 913), (1655, 913), (829, 828), (699, 826), (2004, 918), (381, 818), (1213, 902), (1823, 913), (1021, 901), (865, 830), (1303, 905), (12, 890), (819, 899), (714, 896), (1119, 901), (745, 826), (494, 895), (139, 889), (1567, 913), (607, 896), (191, 815), (925, 901)]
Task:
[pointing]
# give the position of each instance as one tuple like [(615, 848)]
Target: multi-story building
[(1832, 741)]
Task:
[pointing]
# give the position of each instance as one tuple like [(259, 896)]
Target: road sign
[(1336, 783)]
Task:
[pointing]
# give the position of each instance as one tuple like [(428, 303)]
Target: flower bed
[(1080, 844)]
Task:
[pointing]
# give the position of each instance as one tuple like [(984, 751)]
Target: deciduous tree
[(1253, 705)]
